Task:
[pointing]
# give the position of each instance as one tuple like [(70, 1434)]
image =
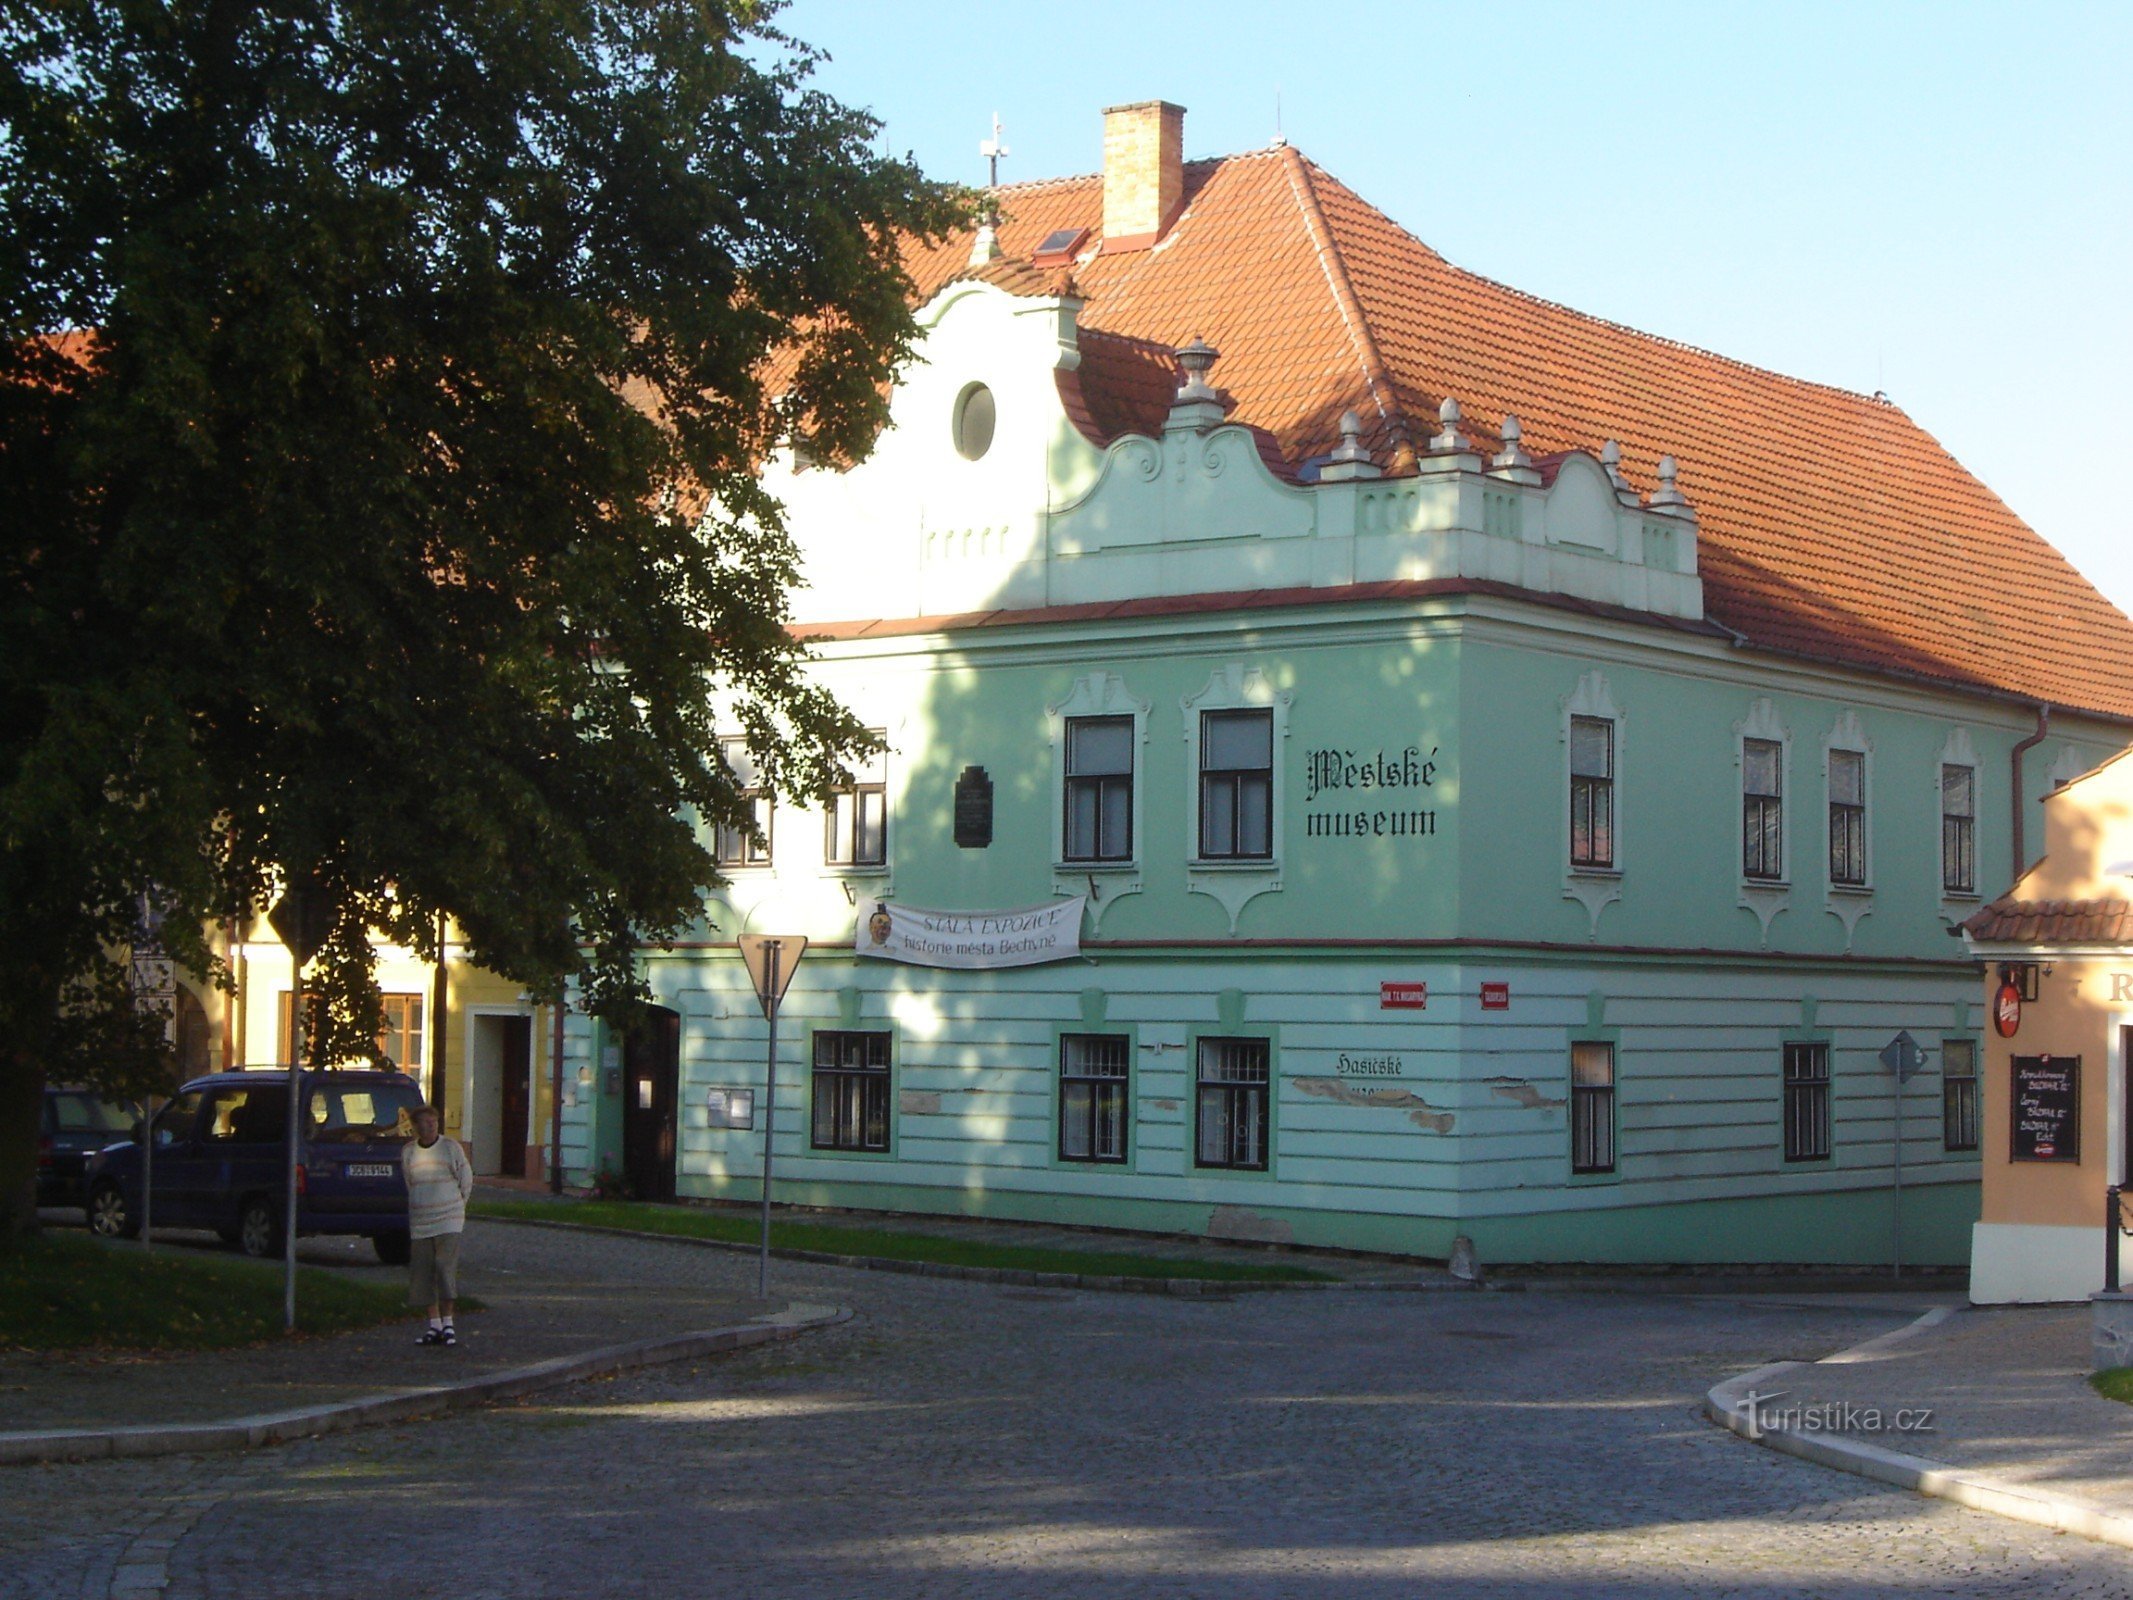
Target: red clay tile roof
[(1832, 525), (2054, 922)]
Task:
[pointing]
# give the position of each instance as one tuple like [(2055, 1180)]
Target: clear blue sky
[(1934, 200)]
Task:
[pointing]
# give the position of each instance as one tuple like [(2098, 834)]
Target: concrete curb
[(1726, 1404), (1109, 1283), (405, 1405)]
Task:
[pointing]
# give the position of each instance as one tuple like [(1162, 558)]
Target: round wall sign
[(2007, 1011)]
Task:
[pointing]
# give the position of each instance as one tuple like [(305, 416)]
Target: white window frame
[(1766, 897), (766, 814), (1235, 883), (1848, 737), (1595, 888), (1097, 694), (887, 787), (1958, 751)]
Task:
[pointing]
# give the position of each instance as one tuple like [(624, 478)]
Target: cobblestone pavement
[(2003, 1392), (960, 1439)]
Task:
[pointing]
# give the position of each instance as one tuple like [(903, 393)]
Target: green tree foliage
[(381, 394)]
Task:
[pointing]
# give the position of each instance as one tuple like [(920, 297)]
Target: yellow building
[(477, 1043), (2055, 1097)]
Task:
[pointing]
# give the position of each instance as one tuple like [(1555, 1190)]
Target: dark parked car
[(77, 1123), (220, 1162)]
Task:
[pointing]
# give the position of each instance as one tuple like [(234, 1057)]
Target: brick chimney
[(1144, 172)]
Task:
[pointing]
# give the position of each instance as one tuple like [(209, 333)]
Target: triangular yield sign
[(756, 951)]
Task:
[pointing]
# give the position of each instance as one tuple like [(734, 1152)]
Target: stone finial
[(1669, 496), (1197, 358), (986, 246), (1352, 458), (1448, 435), (1511, 455), (1611, 459)]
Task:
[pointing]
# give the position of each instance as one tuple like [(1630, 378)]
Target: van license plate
[(369, 1169)]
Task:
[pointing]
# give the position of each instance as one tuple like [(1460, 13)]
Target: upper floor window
[(1958, 830), (1592, 792), (1762, 808), (738, 847), (400, 1039), (1847, 817), (1237, 785), (1099, 789), (859, 816)]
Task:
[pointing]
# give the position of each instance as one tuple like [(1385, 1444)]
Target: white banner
[(1021, 938)]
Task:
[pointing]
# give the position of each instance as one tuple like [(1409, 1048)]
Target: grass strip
[(71, 1292), (692, 1222), (2114, 1383)]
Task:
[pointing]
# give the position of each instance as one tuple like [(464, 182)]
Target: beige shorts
[(433, 1269)]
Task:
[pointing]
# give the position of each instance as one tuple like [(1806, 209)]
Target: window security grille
[(1807, 1102), (1232, 1109), (1092, 1097), (851, 1090)]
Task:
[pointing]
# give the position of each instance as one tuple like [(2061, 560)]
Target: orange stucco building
[(2055, 1100)]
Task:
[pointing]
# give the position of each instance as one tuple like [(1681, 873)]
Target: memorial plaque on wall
[(2047, 1107), (973, 809)]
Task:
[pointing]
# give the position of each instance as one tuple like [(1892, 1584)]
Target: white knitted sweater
[(438, 1183)]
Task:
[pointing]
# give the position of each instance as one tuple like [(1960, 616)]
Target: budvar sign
[(1019, 938)]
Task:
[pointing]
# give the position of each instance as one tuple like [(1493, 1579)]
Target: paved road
[(965, 1440)]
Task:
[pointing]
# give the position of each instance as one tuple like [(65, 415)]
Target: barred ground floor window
[(1092, 1097), (1592, 1107), (1234, 1079), (1807, 1102), (851, 1091)]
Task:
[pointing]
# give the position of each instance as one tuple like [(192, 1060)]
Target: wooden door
[(651, 1109), (515, 1075)]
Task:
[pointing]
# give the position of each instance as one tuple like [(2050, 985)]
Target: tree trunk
[(21, 1121)]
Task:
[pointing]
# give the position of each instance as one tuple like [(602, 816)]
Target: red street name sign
[(1403, 997), (1496, 997)]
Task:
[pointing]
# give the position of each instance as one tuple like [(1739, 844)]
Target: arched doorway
[(651, 1104)]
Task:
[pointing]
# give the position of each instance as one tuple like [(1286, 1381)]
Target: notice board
[(2047, 1107)]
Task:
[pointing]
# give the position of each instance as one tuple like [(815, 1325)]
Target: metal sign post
[(771, 961), (1903, 1056), (303, 920)]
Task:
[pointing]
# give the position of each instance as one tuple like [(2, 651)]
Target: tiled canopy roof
[(1832, 525), (2054, 922)]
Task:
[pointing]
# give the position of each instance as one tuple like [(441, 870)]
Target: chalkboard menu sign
[(973, 809), (2047, 1108)]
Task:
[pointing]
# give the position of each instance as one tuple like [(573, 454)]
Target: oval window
[(973, 421)]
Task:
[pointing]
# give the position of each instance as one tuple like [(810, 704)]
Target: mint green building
[(1531, 829)]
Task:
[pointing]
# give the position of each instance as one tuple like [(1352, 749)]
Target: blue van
[(220, 1163)]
